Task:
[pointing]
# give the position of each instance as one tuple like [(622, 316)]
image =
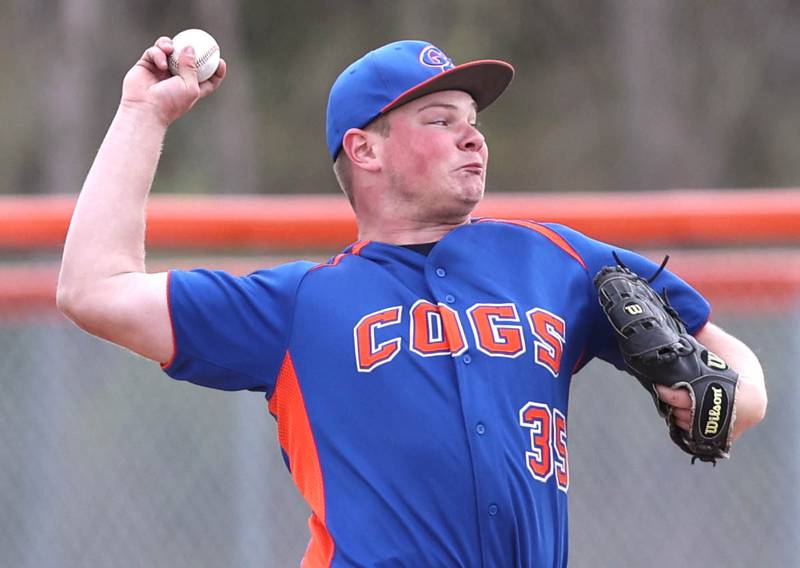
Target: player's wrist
[(142, 114)]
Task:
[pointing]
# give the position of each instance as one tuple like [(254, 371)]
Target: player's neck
[(401, 232), (391, 216)]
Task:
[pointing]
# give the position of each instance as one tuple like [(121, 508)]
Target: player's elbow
[(85, 309), (65, 298), (78, 303), (71, 301)]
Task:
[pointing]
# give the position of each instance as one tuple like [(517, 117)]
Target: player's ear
[(359, 145)]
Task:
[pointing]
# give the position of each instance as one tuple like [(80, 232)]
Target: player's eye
[(439, 121)]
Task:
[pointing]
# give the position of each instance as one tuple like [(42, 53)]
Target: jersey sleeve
[(692, 307), (231, 332)]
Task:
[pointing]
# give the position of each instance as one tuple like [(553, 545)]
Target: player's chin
[(458, 205), (472, 193), (471, 186)]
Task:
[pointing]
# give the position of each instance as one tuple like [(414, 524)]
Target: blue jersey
[(421, 401)]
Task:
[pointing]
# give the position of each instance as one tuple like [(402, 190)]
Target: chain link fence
[(635, 500), (107, 462)]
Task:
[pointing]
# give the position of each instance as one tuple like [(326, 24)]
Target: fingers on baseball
[(186, 60), (209, 86), (155, 56), (165, 44), (676, 398), (187, 69)]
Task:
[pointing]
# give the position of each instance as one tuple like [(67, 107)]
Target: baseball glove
[(657, 349)]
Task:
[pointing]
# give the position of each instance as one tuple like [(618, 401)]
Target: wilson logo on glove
[(714, 410), (634, 309), (714, 361), (658, 350)]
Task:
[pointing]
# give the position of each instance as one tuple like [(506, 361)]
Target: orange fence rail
[(659, 220), (696, 217), (743, 280)]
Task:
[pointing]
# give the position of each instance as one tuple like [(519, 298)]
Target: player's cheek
[(412, 152), (422, 162)]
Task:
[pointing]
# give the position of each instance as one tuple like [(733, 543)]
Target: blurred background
[(104, 461), (609, 94)]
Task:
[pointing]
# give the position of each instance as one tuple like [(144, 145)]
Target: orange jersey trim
[(546, 232), (297, 440), (355, 250), (336, 260)]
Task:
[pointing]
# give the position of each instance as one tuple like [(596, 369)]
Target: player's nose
[(471, 139)]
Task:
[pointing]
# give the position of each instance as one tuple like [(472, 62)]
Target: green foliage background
[(609, 94)]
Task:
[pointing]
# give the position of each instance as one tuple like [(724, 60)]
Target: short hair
[(343, 167)]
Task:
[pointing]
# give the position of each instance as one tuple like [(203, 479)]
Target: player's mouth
[(473, 168)]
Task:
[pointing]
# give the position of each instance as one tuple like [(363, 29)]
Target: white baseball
[(206, 52)]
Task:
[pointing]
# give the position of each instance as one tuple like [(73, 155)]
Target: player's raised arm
[(103, 286)]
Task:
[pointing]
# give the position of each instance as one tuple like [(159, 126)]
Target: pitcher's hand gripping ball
[(206, 53), (657, 349)]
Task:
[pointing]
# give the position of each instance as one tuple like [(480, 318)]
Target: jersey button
[(480, 428), (467, 359), (449, 298), (493, 510), (441, 272)]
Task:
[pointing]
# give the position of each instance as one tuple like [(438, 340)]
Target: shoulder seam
[(355, 250), (550, 234), (291, 328)]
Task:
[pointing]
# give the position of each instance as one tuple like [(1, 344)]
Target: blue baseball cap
[(400, 72)]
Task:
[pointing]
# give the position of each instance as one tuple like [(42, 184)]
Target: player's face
[(434, 155)]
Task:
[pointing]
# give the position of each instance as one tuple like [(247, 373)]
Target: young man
[(419, 379)]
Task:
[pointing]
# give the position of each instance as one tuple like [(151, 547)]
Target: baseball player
[(420, 378)]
